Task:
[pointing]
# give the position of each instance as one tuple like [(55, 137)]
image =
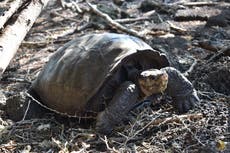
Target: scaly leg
[(123, 101), (181, 90)]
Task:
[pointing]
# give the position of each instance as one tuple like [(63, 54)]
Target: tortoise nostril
[(164, 76)]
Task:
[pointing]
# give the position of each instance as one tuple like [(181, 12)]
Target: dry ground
[(193, 48)]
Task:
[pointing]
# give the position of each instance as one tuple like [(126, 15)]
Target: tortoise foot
[(186, 102), (123, 101), (104, 125), (181, 90)]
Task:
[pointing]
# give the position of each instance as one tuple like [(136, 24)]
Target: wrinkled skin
[(126, 97), (122, 102), (181, 90)]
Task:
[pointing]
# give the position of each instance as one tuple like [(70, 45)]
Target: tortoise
[(105, 76)]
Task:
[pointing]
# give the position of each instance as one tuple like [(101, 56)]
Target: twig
[(78, 9), (213, 94), (43, 43), (133, 133), (147, 125), (125, 139), (105, 140), (18, 144), (160, 18), (128, 20), (72, 5), (186, 73), (63, 16), (177, 119), (27, 109), (176, 28), (22, 80), (192, 133), (199, 4), (155, 33), (113, 23), (149, 13), (219, 54)]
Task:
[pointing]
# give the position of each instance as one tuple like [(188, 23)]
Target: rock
[(222, 19), (195, 14), (15, 107)]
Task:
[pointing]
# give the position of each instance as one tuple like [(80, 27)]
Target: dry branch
[(113, 23), (72, 5), (199, 4), (10, 146), (177, 119), (128, 20), (176, 28), (13, 35), (191, 68), (43, 43), (223, 51), (12, 9), (105, 140)]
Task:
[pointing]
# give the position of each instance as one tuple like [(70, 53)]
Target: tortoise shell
[(76, 71)]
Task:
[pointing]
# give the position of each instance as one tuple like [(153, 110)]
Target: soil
[(191, 45)]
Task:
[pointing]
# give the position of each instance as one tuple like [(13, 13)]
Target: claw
[(187, 102), (103, 124)]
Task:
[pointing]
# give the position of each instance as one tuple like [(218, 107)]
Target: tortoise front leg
[(123, 101), (181, 90)]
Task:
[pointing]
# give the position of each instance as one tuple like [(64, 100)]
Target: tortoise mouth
[(153, 83)]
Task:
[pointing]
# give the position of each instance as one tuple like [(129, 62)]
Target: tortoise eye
[(128, 67), (153, 77)]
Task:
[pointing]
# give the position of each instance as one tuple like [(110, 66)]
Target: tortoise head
[(153, 81)]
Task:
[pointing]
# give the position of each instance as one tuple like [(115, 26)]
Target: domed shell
[(76, 71)]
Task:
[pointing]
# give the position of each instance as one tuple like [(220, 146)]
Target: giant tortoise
[(105, 76)]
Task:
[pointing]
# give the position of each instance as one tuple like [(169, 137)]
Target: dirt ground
[(196, 38)]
